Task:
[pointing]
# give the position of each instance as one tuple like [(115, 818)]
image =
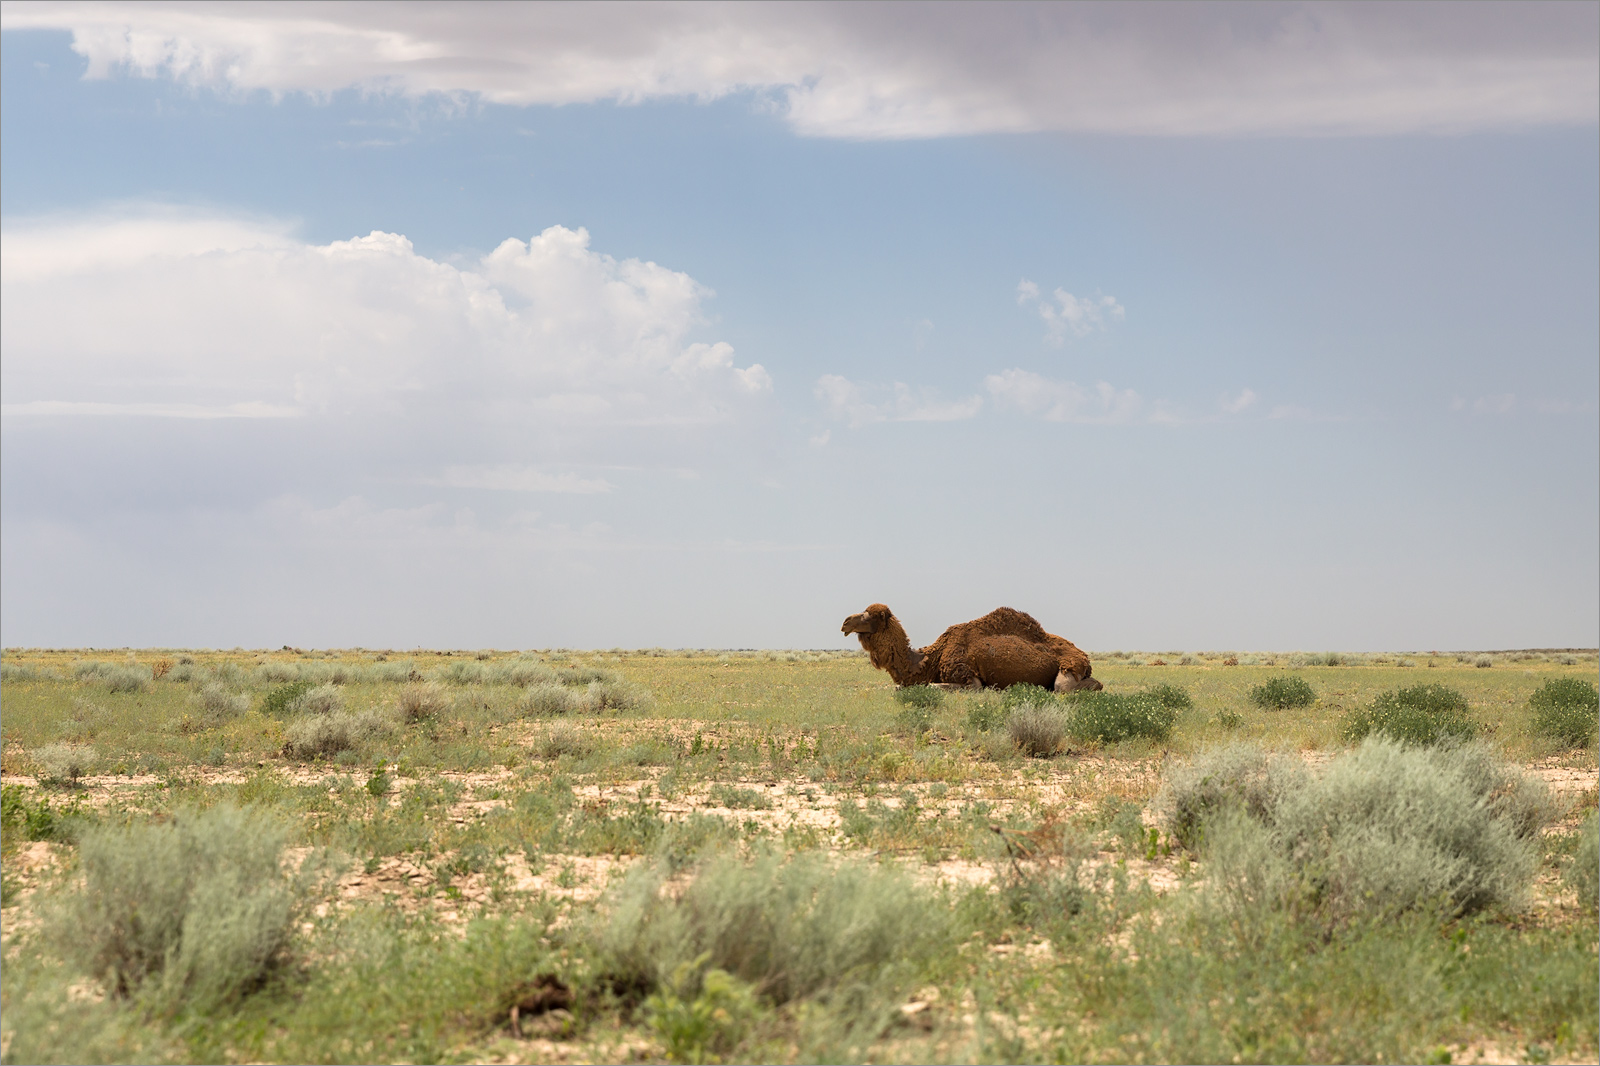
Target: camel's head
[(871, 620)]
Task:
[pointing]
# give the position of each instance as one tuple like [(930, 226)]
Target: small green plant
[(1422, 714), (278, 701), (913, 720), (1230, 719), (380, 782), (38, 821), (1109, 717), (702, 1017), (985, 714), (925, 696), (1037, 730), (735, 798), (1566, 709), (1173, 697), (1283, 692)]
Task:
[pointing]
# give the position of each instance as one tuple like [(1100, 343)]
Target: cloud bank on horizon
[(891, 71)]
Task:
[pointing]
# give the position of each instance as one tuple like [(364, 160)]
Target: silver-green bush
[(548, 698), (65, 763), (1242, 776), (195, 911), (793, 926), (1582, 872), (328, 734), (1037, 730), (617, 695), (324, 699), (221, 705), (419, 702), (123, 677), (1383, 829)]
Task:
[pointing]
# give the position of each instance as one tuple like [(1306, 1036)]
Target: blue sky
[(1279, 344)]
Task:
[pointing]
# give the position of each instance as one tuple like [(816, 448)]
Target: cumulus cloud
[(860, 405), (195, 318), (1062, 401), (870, 70), (1066, 313)]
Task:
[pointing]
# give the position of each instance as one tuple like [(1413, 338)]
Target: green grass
[(490, 841)]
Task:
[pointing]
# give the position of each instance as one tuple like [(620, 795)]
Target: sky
[(1179, 326)]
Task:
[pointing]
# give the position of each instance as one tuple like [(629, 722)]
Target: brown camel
[(1005, 647)]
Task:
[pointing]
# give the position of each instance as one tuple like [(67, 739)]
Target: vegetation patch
[(1422, 714), (1566, 710), (1282, 692)]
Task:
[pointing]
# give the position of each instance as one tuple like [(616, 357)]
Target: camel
[(1005, 647)]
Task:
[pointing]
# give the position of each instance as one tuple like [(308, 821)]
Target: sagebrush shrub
[(1582, 872), (1383, 829), (565, 740), (219, 704), (524, 672), (1566, 709), (193, 911), (548, 698), (1283, 692), (584, 675), (1422, 714), (65, 763), (616, 695), (793, 926), (1243, 776), (1109, 717), (321, 735), (324, 699), (1037, 730), (124, 677), (419, 702)]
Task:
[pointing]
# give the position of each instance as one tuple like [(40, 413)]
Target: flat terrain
[(484, 842)]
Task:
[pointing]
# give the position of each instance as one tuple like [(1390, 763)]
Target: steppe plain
[(626, 867)]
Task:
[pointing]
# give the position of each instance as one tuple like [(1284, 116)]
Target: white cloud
[(892, 71), (1062, 401), (181, 317), (508, 477), (1079, 316), (860, 405), (1236, 405)]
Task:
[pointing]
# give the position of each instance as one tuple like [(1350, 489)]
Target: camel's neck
[(890, 649)]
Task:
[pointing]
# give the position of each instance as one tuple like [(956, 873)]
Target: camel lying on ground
[(1005, 647)]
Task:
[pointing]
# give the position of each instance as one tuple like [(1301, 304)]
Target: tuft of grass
[(64, 764), (586, 675), (1483, 662), (565, 740), (192, 912), (549, 698), (1566, 709), (1582, 872), (221, 705), (1283, 692), (1037, 730), (1422, 714), (323, 699), (418, 702), (126, 677), (617, 695), (1109, 717), (739, 799), (322, 735)]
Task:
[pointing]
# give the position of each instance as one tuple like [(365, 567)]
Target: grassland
[(743, 856)]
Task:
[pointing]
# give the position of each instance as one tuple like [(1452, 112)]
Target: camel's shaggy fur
[(1005, 647)]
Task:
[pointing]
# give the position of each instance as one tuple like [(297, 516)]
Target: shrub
[(221, 705), (1283, 692), (1109, 717), (419, 702), (1566, 709), (462, 672), (1422, 714), (65, 763), (128, 677), (617, 695), (1582, 873), (1483, 662), (584, 675), (324, 699), (1174, 697), (279, 700), (1037, 730), (985, 713), (707, 1026), (524, 672), (913, 720), (925, 696), (1242, 776), (321, 735), (798, 926), (565, 740), (1384, 829), (196, 910), (22, 672), (548, 698)]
